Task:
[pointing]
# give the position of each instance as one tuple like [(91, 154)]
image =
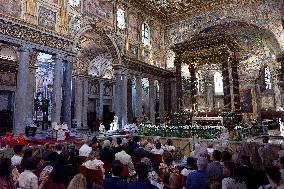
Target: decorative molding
[(32, 35)]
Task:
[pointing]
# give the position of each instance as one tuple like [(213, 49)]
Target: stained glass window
[(145, 34), (120, 19)]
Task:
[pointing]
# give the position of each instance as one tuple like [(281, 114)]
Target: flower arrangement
[(186, 131)]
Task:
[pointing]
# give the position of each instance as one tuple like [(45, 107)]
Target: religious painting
[(99, 9), (11, 7), (46, 18), (247, 101), (133, 28)]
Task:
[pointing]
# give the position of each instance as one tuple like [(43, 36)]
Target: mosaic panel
[(99, 9), (46, 18), (11, 7)]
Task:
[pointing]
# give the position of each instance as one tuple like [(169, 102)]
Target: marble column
[(57, 90), (22, 90), (30, 94), (161, 100), (138, 98), (78, 100), (113, 102), (67, 94), (173, 96), (85, 102), (124, 99), (117, 96), (152, 100), (101, 99), (178, 82)]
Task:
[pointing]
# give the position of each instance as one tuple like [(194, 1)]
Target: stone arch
[(80, 25), (264, 14), (237, 23)]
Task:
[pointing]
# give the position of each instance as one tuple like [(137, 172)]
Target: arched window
[(267, 78), (74, 3), (120, 19), (218, 83), (145, 34)]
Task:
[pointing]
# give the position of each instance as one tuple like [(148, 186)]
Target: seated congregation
[(132, 163)]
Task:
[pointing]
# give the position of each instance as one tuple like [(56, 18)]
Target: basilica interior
[(131, 94), (84, 62)]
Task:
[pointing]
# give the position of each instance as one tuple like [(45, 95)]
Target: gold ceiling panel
[(173, 10)]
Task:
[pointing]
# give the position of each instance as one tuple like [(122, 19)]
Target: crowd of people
[(132, 163)]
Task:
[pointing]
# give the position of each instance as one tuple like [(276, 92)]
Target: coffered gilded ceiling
[(173, 10)]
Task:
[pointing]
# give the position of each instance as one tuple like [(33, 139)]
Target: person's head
[(136, 139), (18, 149), (230, 170), (178, 155), (58, 147), (118, 141), (169, 142), (226, 156), (265, 139), (214, 184), (94, 140), (63, 158), (158, 145), (217, 155), (125, 148), (5, 165), (141, 170), (106, 144), (78, 181), (116, 168), (29, 163), (28, 153), (147, 162), (273, 175), (202, 164), (245, 160), (190, 162), (168, 159)]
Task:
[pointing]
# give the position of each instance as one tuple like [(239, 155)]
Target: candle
[(218, 104)]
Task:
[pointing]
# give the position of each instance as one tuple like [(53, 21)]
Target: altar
[(208, 120)]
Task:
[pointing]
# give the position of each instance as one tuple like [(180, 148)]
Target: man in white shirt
[(17, 157)]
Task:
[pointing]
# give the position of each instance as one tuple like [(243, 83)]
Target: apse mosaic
[(263, 14), (46, 18), (11, 7)]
